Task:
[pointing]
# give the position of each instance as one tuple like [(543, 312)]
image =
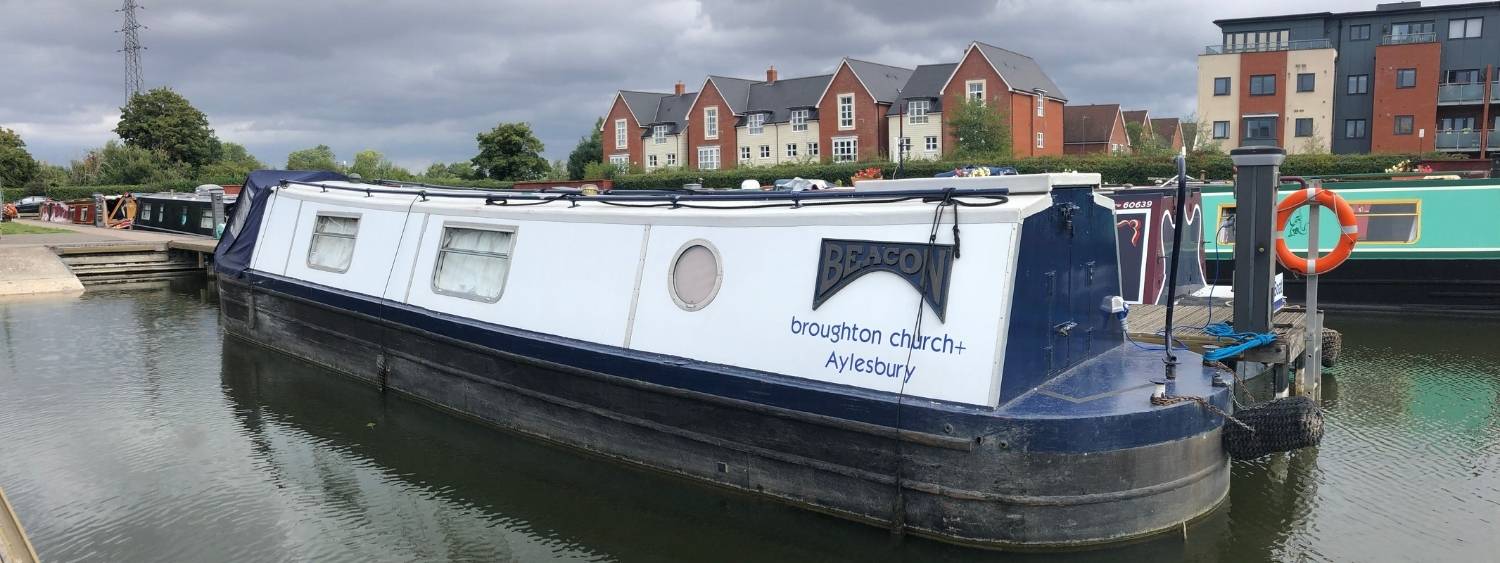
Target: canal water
[(131, 430)]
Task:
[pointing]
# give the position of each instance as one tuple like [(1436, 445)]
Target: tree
[(16, 165), (162, 120), (127, 164), (1143, 141), (234, 162), (510, 151), (589, 149), (316, 158), (983, 131), (47, 176), (367, 163)]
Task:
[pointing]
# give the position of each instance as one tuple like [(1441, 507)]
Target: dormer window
[(916, 111), (799, 120), (757, 123), (659, 134)]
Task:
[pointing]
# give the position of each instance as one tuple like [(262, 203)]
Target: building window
[(473, 263), (1457, 124), (791, 150), (659, 134), (916, 111), (1221, 86), (1404, 124), (695, 276), (846, 111), (620, 161), (1263, 85), (1411, 32), (708, 158), (1243, 41), (1465, 76), (757, 122), (1304, 127), (1467, 28), (846, 149), (799, 120), (1040, 142), (744, 154), (1260, 128), (905, 146), (1359, 84), (671, 159), (332, 245), (651, 161), (975, 91), (1359, 32), (812, 148), (620, 134), (765, 151), (930, 143), (1354, 128), (710, 123), (1406, 78), (1306, 81), (1221, 129), (1392, 222), (1041, 106)]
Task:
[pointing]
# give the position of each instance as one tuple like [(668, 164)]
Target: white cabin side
[(603, 274)]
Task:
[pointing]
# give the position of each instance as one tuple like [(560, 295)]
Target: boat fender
[(1279, 425), (1348, 231), (1333, 345)]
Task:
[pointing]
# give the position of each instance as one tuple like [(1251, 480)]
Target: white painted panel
[(769, 277), (277, 227), (568, 279), (375, 246)]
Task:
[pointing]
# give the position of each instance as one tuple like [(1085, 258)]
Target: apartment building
[(1400, 78), (1094, 129), (861, 111)]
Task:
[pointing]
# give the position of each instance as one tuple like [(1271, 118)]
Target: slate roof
[(883, 81), (1136, 116), (926, 82), (671, 111), (735, 91), (1089, 124), (1020, 71), (779, 98), (642, 105), (1165, 127)]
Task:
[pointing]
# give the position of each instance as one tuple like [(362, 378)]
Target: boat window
[(146, 211), (332, 245), (472, 263), (695, 275), (1390, 222), (1226, 225), (207, 220)]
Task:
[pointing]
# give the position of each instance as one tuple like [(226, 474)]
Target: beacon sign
[(926, 267)]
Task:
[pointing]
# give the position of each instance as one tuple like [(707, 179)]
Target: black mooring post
[(1171, 359), (1258, 170)]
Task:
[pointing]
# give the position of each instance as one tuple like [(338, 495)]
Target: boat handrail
[(676, 198)]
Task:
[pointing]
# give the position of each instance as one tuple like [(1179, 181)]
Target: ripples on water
[(131, 431)]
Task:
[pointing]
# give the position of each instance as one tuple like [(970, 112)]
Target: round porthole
[(695, 275)]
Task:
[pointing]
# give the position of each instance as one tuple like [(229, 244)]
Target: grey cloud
[(417, 80)]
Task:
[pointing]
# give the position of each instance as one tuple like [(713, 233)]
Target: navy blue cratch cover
[(232, 256)]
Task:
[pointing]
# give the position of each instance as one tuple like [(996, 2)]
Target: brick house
[(1015, 83), (852, 109), (781, 120), (1094, 129), (646, 129), (1169, 131)]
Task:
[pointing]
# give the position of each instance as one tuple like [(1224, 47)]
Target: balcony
[(1298, 45), (1460, 93), (1408, 38), (1450, 140)]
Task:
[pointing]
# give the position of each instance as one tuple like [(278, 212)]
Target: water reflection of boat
[(641, 327)]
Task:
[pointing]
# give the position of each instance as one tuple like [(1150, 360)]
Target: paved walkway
[(84, 234)]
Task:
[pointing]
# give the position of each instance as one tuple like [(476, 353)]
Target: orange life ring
[(1348, 232)]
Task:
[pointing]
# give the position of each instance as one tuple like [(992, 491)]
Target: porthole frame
[(672, 275)]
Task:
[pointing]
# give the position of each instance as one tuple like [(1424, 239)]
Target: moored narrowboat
[(1421, 243), (875, 354), (1144, 225), (182, 212)]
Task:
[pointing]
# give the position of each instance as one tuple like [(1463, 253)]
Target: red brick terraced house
[(862, 111), (1095, 129), (1169, 131)]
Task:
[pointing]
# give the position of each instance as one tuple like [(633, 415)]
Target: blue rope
[(1243, 341)]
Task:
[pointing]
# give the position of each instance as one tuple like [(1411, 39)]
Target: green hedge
[(78, 192), (1114, 169)]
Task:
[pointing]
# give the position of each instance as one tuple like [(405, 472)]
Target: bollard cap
[(1258, 156)]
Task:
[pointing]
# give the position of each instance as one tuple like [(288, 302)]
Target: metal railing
[(1495, 91), (1461, 93), (1494, 140), (1454, 140), (1408, 38), (1298, 45)]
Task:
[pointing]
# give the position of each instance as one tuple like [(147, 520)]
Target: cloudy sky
[(417, 80)]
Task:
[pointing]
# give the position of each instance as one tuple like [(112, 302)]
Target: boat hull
[(972, 485), (1451, 285)]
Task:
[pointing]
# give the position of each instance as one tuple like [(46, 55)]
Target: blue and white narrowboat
[(942, 356)]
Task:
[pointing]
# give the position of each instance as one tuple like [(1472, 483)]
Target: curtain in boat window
[(472, 263), (332, 243)]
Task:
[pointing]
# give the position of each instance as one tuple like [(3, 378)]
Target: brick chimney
[(771, 74), (679, 88)]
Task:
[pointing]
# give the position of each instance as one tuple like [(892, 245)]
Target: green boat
[(1431, 244)]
